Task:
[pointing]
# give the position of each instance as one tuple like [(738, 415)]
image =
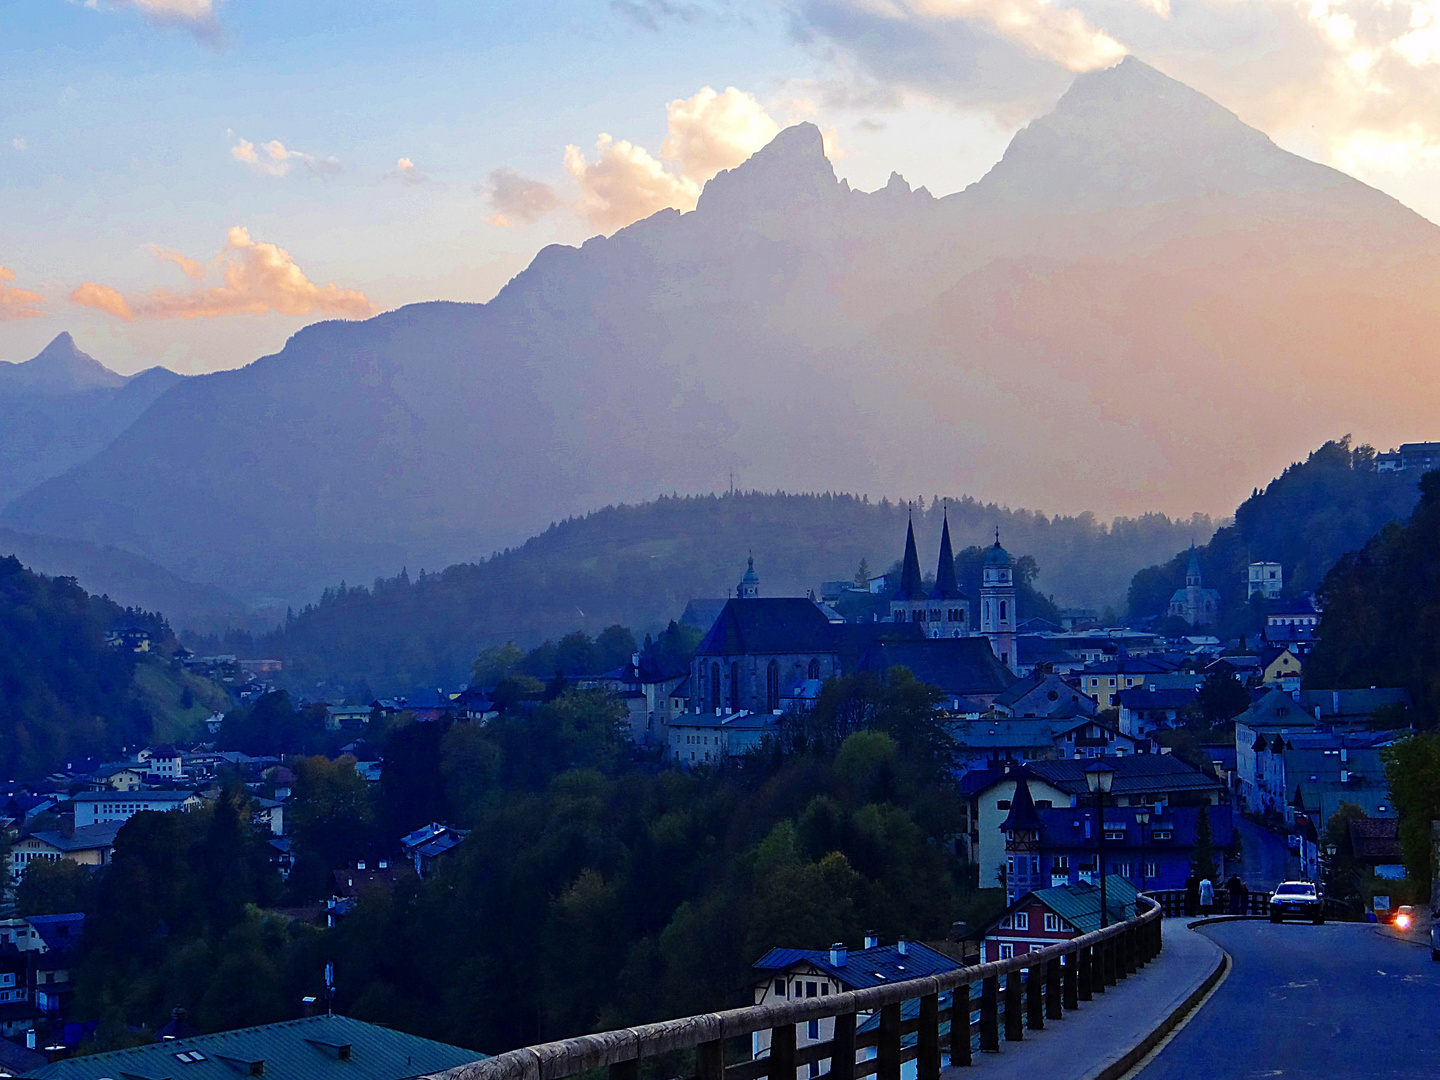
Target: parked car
[(1404, 917), (1297, 899)]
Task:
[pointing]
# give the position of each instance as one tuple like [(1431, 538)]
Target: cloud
[(710, 132), (650, 14), (406, 172), (18, 145), (706, 133), (516, 198), (191, 268), (199, 17), (17, 303), (625, 184), (273, 159), (102, 297), (258, 278)]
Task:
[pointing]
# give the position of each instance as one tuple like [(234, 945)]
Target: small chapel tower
[(749, 587)]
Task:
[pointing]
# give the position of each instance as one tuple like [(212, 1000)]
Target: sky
[(188, 182)]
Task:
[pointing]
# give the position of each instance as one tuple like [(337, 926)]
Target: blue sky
[(123, 128)]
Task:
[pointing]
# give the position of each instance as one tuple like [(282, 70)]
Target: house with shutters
[(1051, 916), (784, 975)]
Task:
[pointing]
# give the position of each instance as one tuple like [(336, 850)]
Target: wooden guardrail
[(1252, 902), (999, 1000)]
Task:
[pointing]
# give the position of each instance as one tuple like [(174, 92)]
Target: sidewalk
[(1094, 1040)]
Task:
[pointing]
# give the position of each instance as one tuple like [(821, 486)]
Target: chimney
[(30, 1039), (902, 947), (837, 954), (359, 864), (307, 1005), (872, 939)]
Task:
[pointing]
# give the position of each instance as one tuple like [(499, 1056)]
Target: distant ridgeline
[(640, 565), (66, 693), (1305, 519)]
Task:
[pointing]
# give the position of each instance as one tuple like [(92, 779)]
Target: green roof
[(1079, 904), (315, 1048)]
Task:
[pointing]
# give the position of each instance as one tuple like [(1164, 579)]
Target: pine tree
[(862, 575)]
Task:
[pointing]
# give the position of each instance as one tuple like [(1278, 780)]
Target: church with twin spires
[(943, 611)]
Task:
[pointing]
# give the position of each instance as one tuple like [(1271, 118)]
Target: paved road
[(1265, 861), (1337, 1001)]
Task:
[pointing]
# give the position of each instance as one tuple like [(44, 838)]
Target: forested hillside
[(595, 890), (639, 565), (1304, 519), (65, 693)]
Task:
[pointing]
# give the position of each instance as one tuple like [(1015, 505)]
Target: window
[(811, 990), (1060, 862), (772, 686), (1007, 923), (734, 686), (1114, 834), (715, 687), (1160, 834), (814, 670), (1006, 950), (1010, 865), (1002, 804), (1150, 871), (812, 1030), (1052, 922), (1022, 920), (779, 987), (825, 989)]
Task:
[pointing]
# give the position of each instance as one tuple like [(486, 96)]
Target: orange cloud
[(15, 302), (276, 159), (103, 297), (259, 278), (191, 268)]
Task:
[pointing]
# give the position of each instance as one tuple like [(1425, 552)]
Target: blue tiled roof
[(864, 968)]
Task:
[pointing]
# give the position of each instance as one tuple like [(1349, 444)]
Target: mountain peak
[(1131, 135), (60, 367), (791, 168)]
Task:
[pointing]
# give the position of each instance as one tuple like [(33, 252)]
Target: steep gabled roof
[(768, 624), (864, 968), (911, 587), (946, 587), (1023, 816), (964, 667)]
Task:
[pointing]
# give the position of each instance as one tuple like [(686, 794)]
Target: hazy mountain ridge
[(62, 407), (1095, 316)]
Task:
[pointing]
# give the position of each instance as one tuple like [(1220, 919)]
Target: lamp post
[(1142, 818), (1098, 778)]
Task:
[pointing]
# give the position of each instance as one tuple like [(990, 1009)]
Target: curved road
[(1334, 1002)]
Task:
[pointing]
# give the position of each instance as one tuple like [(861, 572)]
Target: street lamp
[(1098, 778), (1142, 818)]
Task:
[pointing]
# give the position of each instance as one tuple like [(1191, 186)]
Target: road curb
[(1210, 919), (1137, 1053)]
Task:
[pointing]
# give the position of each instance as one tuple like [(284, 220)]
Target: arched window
[(734, 686), (1002, 610), (772, 686), (814, 672), (715, 687)]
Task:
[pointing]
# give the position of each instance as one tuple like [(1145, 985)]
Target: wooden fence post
[(1071, 983), (782, 1052), (927, 1039), (1014, 1021), (990, 1015), (1085, 972), (1111, 962), (842, 1059), (888, 1049), (710, 1061), (1035, 997), (959, 1026), (1052, 989)]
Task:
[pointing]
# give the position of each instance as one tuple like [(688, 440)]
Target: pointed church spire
[(911, 586), (946, 587)]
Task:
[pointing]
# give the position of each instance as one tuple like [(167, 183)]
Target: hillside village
[(1213, 745)]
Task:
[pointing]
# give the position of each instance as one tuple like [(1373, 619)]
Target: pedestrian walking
[(1207, 897), (1192, 895), (1238, 895)]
